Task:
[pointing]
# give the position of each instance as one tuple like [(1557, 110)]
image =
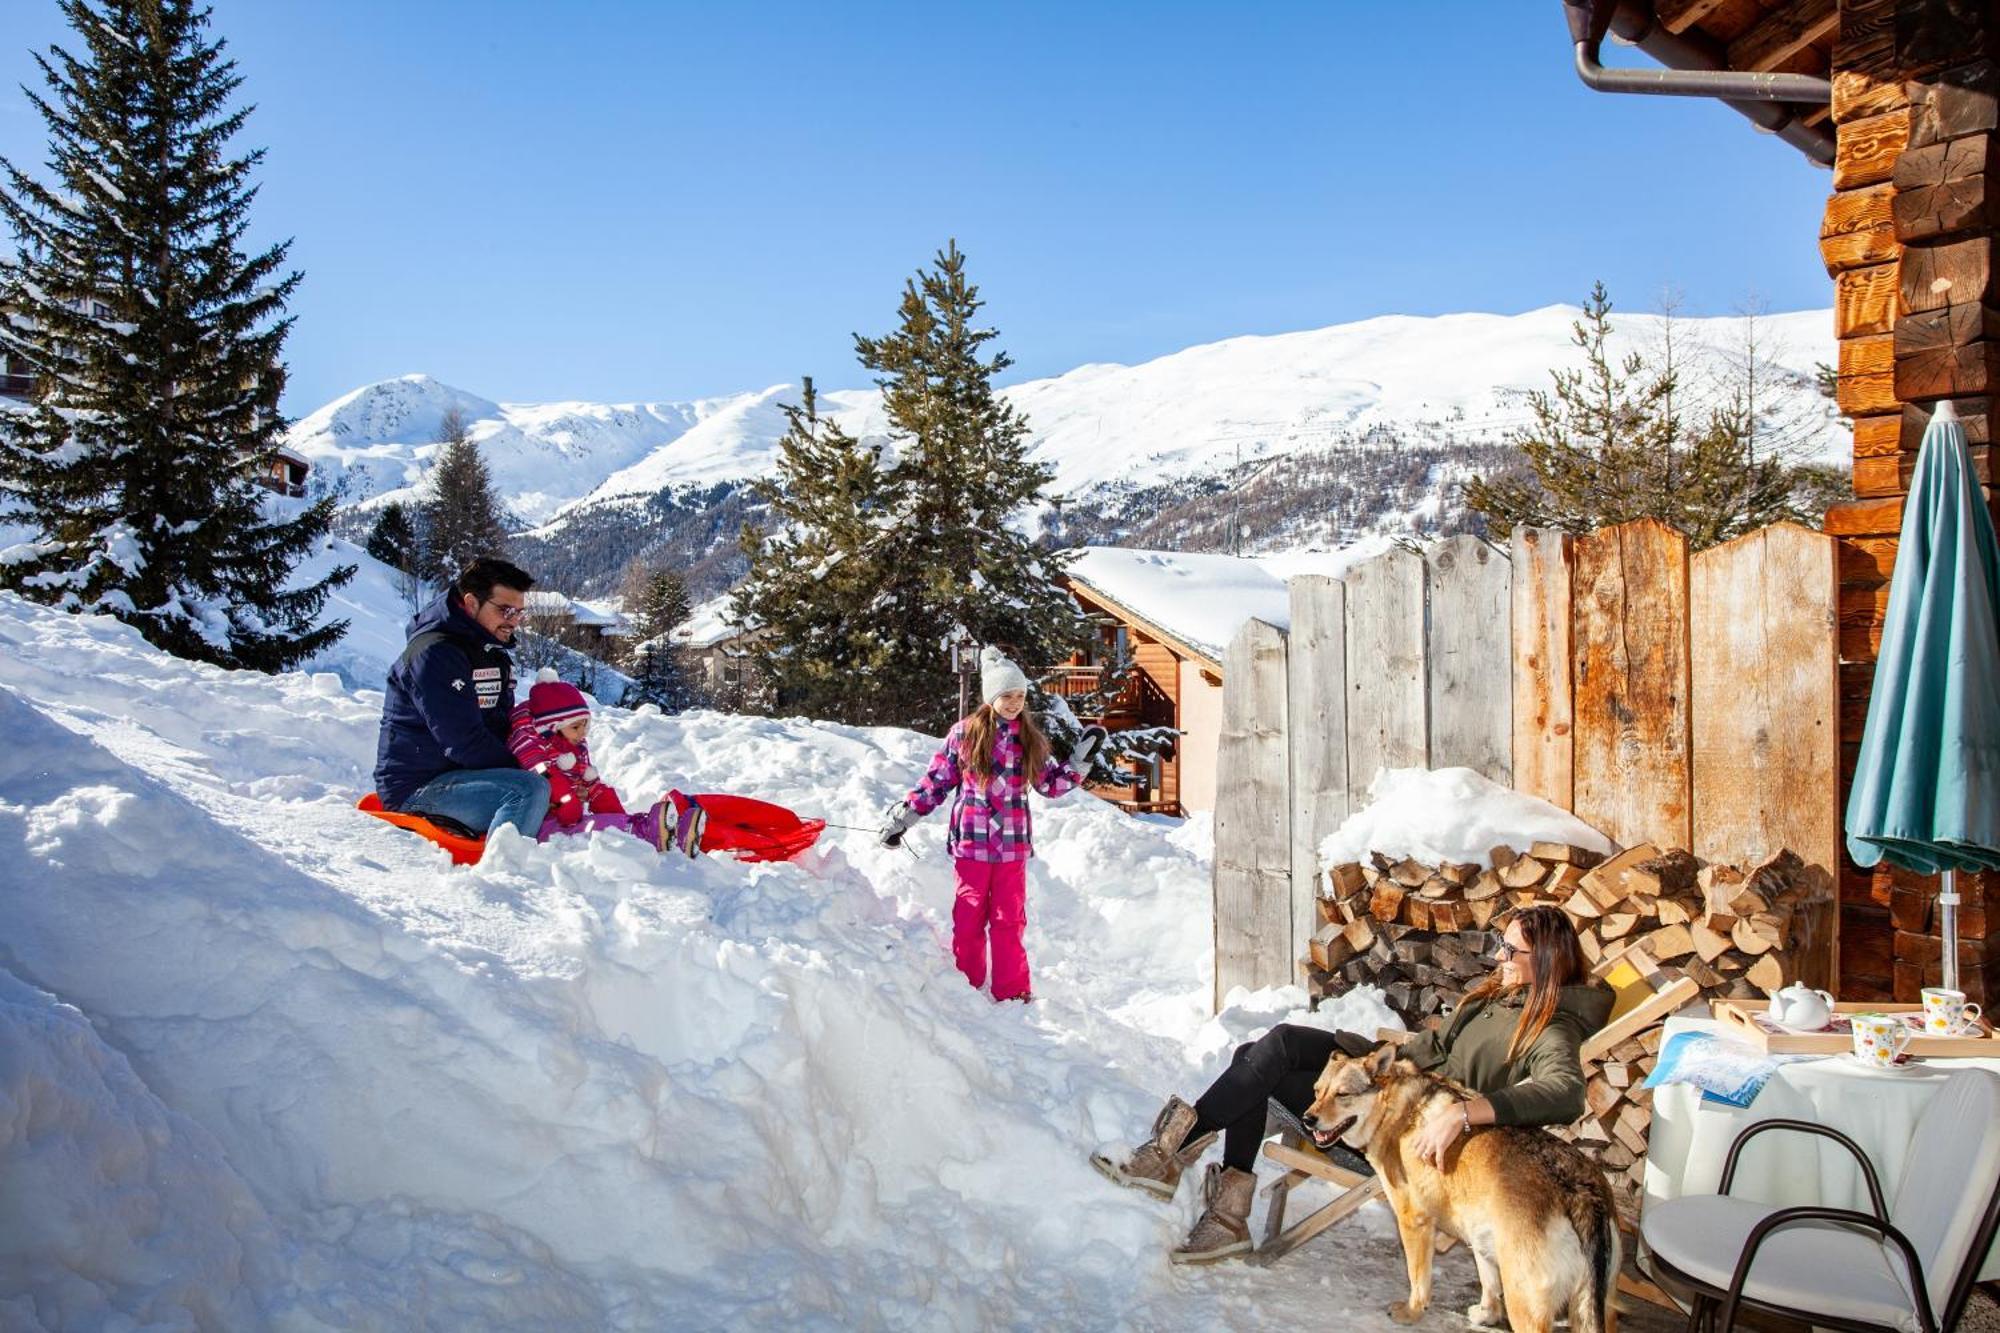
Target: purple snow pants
[(645, 825), (992, 903)]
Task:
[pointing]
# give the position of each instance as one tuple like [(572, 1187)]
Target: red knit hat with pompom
[(553, 702)]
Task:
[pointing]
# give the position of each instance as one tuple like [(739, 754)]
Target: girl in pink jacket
[(985, 766)]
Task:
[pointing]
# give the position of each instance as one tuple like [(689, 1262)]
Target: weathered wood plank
[(1866, 41), (1874, 354), (1966, 103), (1947, 188), (1316, 723), (1543, 715), (1253, 844), (1867, 148), (1470, 653), (1630, 612), (1951, 273), (1387, 721), (1764, 676)]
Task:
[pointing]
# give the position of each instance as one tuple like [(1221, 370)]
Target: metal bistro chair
[(1907, 1268)]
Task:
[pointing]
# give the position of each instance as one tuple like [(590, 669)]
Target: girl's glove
[(563, 803), (604, 801), (1087, 746), (901, 820)]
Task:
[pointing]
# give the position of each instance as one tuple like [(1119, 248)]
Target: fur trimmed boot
[(1223, 1228), (1156, 1165)]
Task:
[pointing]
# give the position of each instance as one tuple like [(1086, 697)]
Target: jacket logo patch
[(458, 684)]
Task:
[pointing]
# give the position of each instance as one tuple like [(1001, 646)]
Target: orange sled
[(465, 848)]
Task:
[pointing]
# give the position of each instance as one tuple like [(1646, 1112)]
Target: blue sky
[(619, 200)]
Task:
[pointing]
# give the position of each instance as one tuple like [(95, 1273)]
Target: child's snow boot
[(688, 827), (1156, 1164), (1223, 1228)]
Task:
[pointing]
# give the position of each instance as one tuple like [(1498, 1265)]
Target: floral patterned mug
[(1946, 1014), (1879, 1039)]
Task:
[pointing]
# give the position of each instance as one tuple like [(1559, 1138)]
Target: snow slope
[(1460, 377), (328, 1081)]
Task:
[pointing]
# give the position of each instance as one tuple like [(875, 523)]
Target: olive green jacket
[(1545, 1085)]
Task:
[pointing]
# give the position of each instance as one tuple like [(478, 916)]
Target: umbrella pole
[(1948, 928)]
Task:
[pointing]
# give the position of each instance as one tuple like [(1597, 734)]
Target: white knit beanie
[(998, 674)]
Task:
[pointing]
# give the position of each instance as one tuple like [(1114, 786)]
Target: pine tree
[(1619, 439), (393, 541), (461, 515), (953, 559), (817, 572), (157, 348), (657, 601)]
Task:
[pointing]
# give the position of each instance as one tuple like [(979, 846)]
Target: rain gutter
[(1696, 67)]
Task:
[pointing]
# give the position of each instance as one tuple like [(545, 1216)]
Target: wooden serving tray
[(1752, 1026)]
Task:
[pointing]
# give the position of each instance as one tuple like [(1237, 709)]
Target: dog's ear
[(1380, 1059)]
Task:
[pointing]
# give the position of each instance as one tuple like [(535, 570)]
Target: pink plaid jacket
[(989, 822)]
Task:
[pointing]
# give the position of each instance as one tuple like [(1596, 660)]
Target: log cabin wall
[(1908, 236)]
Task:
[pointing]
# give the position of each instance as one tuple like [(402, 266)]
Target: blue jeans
[(485, 798)]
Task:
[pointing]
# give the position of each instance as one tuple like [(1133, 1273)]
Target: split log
[(1562, 852), (1524, 873), (1346, 879)]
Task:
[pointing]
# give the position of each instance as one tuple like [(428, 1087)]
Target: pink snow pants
[(992, 903)]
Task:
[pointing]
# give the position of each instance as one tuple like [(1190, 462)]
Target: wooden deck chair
[(1645, 994)]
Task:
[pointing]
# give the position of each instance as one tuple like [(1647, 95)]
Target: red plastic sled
[(464, 851), (753, 830)]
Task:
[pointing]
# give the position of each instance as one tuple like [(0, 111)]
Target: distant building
[(1173, 613), (572, 621), (720, 654)]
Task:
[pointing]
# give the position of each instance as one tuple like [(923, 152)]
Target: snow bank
[(329, 1080), (1450, 814)]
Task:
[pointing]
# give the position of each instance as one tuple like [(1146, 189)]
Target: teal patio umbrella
[(1926, 792)]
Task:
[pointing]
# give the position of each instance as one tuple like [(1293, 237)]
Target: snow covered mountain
[(1450, 380)]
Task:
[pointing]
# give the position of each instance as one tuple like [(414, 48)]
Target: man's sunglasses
[(510, 614)]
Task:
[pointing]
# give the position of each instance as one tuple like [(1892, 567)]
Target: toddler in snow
[(549, 738), (986, 766)]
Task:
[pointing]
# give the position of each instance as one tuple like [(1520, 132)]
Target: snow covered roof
[(600, 615), (708, 624), (1198, 600)]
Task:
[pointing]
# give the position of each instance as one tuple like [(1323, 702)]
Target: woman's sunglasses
[(1506, 953)]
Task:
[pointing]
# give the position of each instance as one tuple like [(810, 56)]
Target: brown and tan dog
[(1536, 1213)]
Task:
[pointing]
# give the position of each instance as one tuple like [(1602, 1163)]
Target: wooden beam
[(1949, 187), (1677, 16), (1859, 228), (1955, 273), (1864, 301), (1867, 150), (1783, 33)]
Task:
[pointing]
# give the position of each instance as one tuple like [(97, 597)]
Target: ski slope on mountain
[(265, 1062), (1437, 380)]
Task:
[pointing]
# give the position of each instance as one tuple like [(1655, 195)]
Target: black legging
[(1283, 1063)]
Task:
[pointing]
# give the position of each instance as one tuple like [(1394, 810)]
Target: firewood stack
[(1425, 934)]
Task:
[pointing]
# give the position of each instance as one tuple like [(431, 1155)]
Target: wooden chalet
[(1172, 613), (1899, 98)]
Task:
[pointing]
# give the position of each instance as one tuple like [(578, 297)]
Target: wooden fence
[(1686, 702)]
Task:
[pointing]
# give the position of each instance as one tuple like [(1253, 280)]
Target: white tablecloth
[(1690, 1138)]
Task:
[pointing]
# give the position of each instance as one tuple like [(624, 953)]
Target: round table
[(1690, 1138)]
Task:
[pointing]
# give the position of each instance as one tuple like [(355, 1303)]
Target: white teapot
[(1799, 1006)]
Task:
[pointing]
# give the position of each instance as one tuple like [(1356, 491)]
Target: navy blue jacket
[(447, 706)]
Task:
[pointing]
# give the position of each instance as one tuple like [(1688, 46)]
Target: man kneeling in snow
[(447, 714)]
